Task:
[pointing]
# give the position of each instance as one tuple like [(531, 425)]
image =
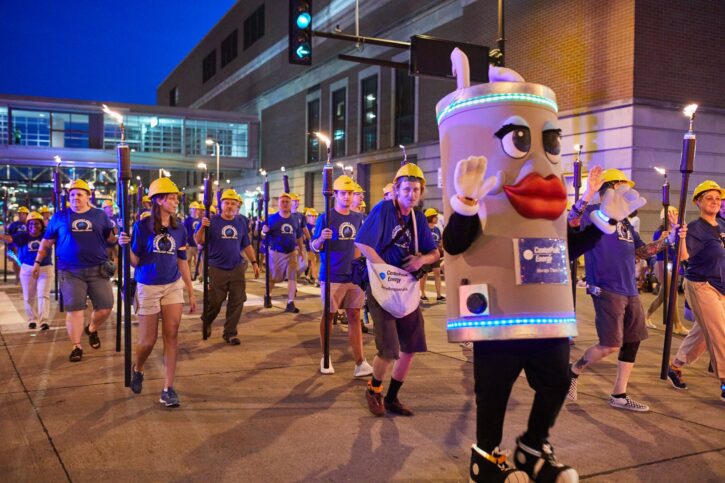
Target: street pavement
[(262, 412)]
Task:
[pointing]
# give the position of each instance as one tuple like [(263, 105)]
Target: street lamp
[(212, 142)]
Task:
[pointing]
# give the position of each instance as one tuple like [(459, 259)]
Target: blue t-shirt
[(706, 247), (342, 246), (283, 233), (28, 247), (80, 237), (311, 229), (382, 225), (16, 227), (227, 239), (191, 224), (610, 264), (661, 254), (157, 253), (437, 236)]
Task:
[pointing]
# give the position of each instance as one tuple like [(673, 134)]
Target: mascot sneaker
[(493, 468), (542, 466)]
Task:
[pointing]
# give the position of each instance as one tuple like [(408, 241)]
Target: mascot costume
[(507, 262)]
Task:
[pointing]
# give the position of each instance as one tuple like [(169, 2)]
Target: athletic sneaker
[(572, 394), (440, 298), (541, 465), (650, 325), (329, 369), (424, 298), (674, 375), (169, 398), (627, 402), (493, 466), (291, 308), (363, 369), (397, 407), (136, 380), (375, 402)]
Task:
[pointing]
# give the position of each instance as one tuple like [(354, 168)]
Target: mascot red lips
[(538, 197)]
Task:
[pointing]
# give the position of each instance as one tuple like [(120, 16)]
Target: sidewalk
[(262, 412)]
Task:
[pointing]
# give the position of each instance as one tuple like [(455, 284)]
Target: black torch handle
[(124, 168), (267, 296), (327, 192), (208, 196)]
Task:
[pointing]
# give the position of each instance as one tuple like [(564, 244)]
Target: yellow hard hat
[(212, 210), (294, 197), (388, 188), (195, 205), (311, 211), (239, 198), (144, 215), (23, 209), (79, 184), (410, 169), (161, 186), (707, 185), (44, 209), (108, 203), (362, 205), (358, 189), (431, 212), (230, 194), (612, 174), (146, 198), (285, 195), (344, 183), (34, 215)]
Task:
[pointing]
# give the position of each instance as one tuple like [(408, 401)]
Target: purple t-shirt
[(80, 237), (157, 252), (342, 246), (227, 239), (283, 233), (610, 264)]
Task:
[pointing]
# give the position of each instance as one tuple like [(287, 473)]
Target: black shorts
[(393, 336)]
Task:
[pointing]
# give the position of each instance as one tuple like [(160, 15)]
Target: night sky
[(104, 50)]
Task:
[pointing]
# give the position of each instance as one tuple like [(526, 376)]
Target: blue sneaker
[(674, 375), (169, 398), (136, 380)]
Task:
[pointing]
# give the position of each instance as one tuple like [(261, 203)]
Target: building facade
[(622, 71)]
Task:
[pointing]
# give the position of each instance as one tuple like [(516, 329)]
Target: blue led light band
[(466, 324), (489, 98)]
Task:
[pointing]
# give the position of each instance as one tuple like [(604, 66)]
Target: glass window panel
[(31, 128), (232, 138), (369, 112), (404, 107), (3, 125), (313, 125), (339, 122)]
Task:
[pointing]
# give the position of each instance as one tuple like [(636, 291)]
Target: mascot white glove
[(616, 205), (470, 185)]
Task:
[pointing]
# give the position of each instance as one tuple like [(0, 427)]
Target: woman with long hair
[(158, 251)]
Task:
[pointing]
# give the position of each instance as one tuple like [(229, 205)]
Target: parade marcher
[(358, 199), (191, 223), (15, 227), (431, 214), (36, 291), (228, 241), (285, 237), (388, 192), (677, 327), (704, 286), (158, 251), (81, 234), (619, 316), (45, 213), (338, 242), (306, 234), (313, 258), (390, 236)]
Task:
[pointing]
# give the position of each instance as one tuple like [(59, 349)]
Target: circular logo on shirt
[(34, 246), (22, 228), (403, 242), (287, 229), (81, 225), (623, 233), (164, 244), (229, 233), (195, 225), (436, 237), (346, 231)]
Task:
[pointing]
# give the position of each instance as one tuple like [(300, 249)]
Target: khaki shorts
[(282, 265), (343, 296), (150, 298)]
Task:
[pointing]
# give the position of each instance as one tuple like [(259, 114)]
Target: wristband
[(36, 261)]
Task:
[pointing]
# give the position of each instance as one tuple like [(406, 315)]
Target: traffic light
[(300, 32)]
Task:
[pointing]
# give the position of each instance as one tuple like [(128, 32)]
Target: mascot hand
[(470, 185), (616, 205)]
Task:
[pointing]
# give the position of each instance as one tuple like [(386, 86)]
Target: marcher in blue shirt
[(192, 223), (36, 291), (338, 242), (16, 227), (431, 215), (313, 258), (387, 237), (704, 286), (619, 318), (158, 251), (81, 234), (228, 239), (285, 237)]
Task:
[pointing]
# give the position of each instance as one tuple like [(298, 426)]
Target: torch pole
[(5, 258), (327, 192), (56, 209), (139, 200), (687, 162), (665, 260), (258, 225), (123, 152), (267, 296), (119, 279), (574, 264), (208, 195)]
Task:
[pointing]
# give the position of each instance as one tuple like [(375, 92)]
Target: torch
[(267, 296), (5, 258), (258, 223), (208, 194), (687, 162), (665, 227), (327, 192), (57, 190), (577, 167), (285, 180)]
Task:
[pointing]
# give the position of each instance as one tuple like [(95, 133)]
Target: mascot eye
[(515, 140), (552, 145)]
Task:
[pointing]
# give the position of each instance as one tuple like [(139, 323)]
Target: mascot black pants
[(497, 364)]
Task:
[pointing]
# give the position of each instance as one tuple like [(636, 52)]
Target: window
[(174, 96), (3, 125), (254, 27), (229, 48), (369, 113), (313, 125), (149, 134), (69, 130), (339, 118), (31, 128), (233, 138), (404, 107), (209, 66)]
